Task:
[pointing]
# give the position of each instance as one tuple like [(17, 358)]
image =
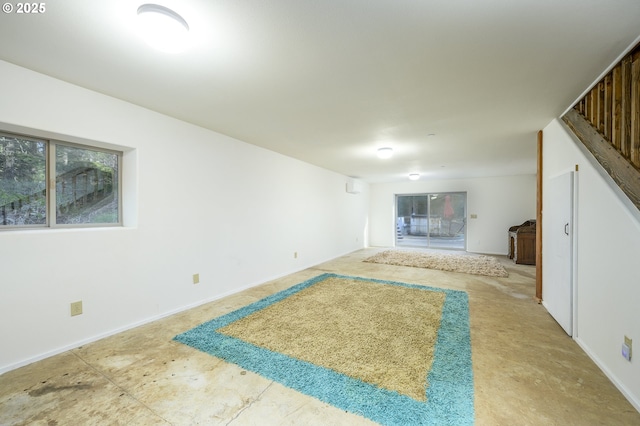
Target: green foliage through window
[(86, 183)]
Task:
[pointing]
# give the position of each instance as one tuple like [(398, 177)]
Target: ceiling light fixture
[(414, 176), (385, 152), (162, 28)]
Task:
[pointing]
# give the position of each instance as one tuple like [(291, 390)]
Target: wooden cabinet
[(522, 243)]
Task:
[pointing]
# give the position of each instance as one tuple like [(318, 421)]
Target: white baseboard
[(99, 336), (78, 343), (621, 387)]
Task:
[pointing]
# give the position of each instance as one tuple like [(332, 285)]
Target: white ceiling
[(329, 82)]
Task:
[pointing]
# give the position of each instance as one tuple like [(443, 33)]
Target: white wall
[(195, 202), (499, 202), (608, 244)]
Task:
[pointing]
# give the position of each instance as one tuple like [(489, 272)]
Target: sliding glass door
[(436, 220)]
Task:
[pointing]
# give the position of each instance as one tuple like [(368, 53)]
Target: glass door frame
[(412, 234)]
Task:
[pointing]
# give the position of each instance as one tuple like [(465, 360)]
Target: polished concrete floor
[(527, 371)]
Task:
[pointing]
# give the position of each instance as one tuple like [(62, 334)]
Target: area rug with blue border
[(396, 353)]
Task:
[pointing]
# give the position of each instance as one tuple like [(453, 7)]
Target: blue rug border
[(450, 394)]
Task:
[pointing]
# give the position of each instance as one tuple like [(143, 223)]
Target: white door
[(557, 286)]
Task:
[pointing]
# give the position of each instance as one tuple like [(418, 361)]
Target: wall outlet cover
[(628, 344), (76, 308), (626, 352)]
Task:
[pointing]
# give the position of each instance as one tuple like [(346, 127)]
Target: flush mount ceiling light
[(162, 28), (414, 176), (385, 152)]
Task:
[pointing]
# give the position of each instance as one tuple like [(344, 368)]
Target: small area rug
[(469, 264), (396, 353)]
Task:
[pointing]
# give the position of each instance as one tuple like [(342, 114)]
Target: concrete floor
[(527, 371)]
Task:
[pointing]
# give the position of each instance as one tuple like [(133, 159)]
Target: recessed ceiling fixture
[(162, 28), (385, 152), (414, 176)]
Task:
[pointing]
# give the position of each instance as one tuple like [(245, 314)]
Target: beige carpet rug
[(380, 334), (468, 264), (396, 353)]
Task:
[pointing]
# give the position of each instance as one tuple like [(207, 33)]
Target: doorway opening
[(433, 220)]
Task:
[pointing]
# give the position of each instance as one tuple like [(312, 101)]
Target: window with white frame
[(83, 190)]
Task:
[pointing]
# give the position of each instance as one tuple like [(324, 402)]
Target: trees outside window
[(84, 189)]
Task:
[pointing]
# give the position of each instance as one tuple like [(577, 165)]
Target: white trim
[(627, 394), (109, 333), (574, 254)]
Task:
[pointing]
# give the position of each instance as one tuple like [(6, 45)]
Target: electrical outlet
[(627, 348), (474, 216), (76, 308), (295, 254), (196, 278)]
